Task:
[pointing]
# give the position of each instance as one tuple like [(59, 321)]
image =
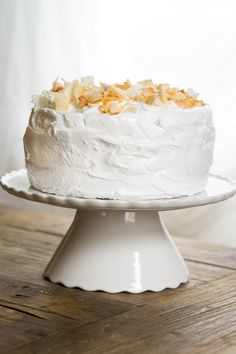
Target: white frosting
[(157, 152)]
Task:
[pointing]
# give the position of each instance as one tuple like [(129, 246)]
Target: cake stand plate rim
[(218, 188)]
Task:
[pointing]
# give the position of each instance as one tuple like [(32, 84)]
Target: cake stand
[(118, 245)]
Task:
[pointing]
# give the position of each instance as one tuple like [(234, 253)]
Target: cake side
[(146, 153)]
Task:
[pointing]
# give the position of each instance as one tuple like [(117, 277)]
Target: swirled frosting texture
[(156, 152)]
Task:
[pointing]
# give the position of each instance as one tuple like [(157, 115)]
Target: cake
[(121, 141)]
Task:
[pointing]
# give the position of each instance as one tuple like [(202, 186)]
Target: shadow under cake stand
[(118, 245)]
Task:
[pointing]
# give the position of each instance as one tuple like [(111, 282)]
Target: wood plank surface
[(30, 220), (37, 316)]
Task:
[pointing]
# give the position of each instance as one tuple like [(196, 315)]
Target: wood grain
[(189, 322), (222, 256), (37, 316), (30, 220)]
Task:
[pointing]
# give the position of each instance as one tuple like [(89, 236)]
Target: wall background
[(185, 43)]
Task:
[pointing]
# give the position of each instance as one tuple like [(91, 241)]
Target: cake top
[(65, 96)]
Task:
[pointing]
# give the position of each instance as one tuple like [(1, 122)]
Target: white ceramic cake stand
[(115, 245)]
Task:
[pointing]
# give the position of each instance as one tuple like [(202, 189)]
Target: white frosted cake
[(120, 141)]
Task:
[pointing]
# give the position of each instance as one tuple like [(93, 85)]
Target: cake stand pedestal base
[(118, 245), (117, 251)]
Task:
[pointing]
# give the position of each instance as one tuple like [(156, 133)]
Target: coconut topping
[(81, 94)]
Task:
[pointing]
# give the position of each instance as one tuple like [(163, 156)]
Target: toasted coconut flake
[(115, 108), (116, 93), (180, 96), (161, 102), (111, 107), (69, 90), (102, 108), (61, 103), (57, 85), (125, 86), (82, 102), (172, 92), (78, 90), (199, 104), (162, 91), (148, 91), (187, 103), (95, 95), (150, 99)]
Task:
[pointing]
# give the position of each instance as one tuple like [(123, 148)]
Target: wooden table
[(40, 317)]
